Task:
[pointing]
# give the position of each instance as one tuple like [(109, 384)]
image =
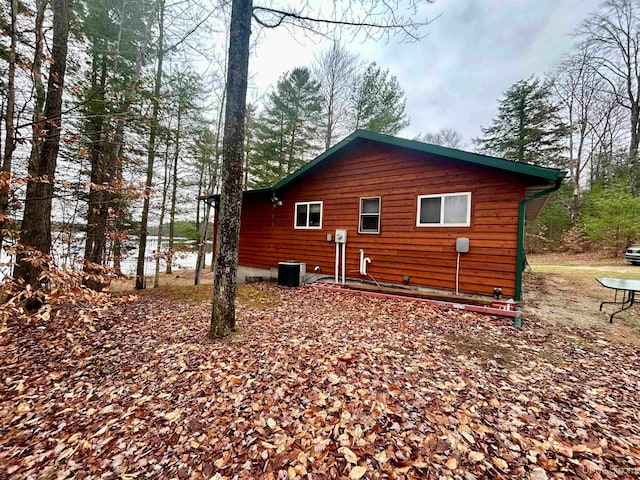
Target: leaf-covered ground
[(314, 384)]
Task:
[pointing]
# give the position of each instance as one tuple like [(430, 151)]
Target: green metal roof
[(542, 173)]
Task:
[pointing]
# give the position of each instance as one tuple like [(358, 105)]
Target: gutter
[(521, 222)]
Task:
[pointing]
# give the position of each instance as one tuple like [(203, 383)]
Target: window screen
[(447, 209), (369, 215)]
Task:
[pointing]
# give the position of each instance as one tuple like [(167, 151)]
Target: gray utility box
[(290, 274), (462, 245)]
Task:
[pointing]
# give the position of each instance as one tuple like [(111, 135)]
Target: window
[(369, 215), (308, 215), (448, 209)]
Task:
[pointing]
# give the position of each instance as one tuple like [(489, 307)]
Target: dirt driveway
[(562, 290)]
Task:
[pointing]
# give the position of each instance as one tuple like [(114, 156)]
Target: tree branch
[(278, 17)]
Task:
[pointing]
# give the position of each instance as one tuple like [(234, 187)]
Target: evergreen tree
[(379, 104), (287, 129), (610, 215), (528, 127)]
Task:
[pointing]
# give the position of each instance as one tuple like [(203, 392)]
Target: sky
[(473, 52)]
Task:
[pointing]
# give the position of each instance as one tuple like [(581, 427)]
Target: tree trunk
[(163, 206), (202, 245), (214, 184), (38, 128), (118, 210), (633, 145), (228, 239), (144, 222), (174, 195), (36, 221), (9, 140)]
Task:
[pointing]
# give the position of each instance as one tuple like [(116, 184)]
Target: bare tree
[(612, 35), (445, 137), (336, 69), (609, 127), (577, 86), (375, 17)]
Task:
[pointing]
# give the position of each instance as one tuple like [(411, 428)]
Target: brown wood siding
[(426, 254)]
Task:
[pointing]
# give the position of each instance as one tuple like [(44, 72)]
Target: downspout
[(521, 213)]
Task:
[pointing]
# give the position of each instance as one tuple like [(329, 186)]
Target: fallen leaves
[(172, 416), (357, 472), (349, 456), (313, 384)]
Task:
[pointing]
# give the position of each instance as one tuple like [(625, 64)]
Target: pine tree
[(379, 104), (287, 128), (528, 127)]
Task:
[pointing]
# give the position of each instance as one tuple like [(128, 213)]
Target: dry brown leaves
[(313, 384)]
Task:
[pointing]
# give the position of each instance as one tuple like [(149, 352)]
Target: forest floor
[(326, 385)]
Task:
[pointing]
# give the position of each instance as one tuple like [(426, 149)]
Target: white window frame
[(442, 204), (370, 232), (306, 227)]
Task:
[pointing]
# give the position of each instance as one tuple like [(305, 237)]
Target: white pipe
[(363, 263), (344, 268), (337, 261), (457, 272)]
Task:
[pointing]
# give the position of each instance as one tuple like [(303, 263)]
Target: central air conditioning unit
[(291, 274)]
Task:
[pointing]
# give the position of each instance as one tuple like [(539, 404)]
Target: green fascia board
[(542, 173)]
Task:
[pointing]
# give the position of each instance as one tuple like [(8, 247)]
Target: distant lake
[(68, 248)]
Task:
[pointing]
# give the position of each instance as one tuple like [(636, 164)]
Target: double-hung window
[(445, 210), (369, 215), (308, 215)]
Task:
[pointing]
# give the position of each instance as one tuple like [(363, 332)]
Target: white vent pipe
[(363, 263)]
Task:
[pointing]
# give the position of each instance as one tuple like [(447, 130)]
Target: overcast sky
[(452, 78)]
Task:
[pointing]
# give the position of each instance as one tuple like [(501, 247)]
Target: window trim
[(442, 204), (308, 204), (360, 214)]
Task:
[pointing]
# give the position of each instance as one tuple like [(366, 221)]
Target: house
[(415, 214)]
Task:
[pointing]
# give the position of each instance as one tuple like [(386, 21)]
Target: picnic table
[(627, 286)]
